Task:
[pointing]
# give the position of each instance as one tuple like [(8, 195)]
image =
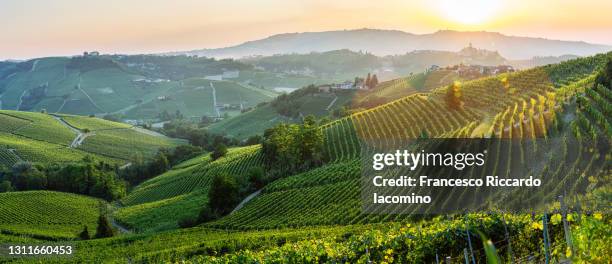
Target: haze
[(32, 28)]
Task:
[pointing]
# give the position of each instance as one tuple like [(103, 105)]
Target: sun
[(469, 12)]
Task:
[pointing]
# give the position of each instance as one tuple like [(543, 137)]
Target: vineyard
[(117, 140), (519, 105), (40, 127), (38, 137), (47, 215), (162, 201), (562, 120)]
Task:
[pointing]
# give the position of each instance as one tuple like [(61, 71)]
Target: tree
[(27, 177), (256, 177), (454, 95), (84, 235), (253, 140), (367, 81), (373, 82), (219, 151), (6, 186), (290, 148), (223, 195), (159, 165), (104, 228), (605, 76), (423, 134)]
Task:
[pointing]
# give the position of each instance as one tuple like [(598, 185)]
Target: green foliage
[(490, 251), (453, 95), (605, 75), (104, 228), (161, 202), (293, 148), (219, 151), (223, 195), (97, 180), (84, 235), (6, 186)]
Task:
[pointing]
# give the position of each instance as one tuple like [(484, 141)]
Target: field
[(48, 215)]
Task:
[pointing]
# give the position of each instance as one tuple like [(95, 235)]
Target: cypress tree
[(84, 235), (104, 228)]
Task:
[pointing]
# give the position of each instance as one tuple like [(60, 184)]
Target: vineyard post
[(437, 258), (566, 229), (508, 240), (545, 235), (467, 230), (465, 255), (448, 260)]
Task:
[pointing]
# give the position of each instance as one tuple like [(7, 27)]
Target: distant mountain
[(394, 42)]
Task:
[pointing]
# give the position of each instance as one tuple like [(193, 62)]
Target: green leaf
[(490, 250)]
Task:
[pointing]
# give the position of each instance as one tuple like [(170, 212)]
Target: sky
[(34, 28)]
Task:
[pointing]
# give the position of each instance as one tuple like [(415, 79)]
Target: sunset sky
[(34, 28)]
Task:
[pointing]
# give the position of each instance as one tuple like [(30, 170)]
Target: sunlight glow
[(469, 12)]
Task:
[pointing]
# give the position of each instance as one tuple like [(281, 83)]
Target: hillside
[(256, 121), (318, 214), (48, 215), (394, 42), (136, 87), (341, 65), (159, 203), (487, 109), (38, 137)]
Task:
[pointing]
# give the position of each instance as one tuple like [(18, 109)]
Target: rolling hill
[(38, 137), (330, 194), (137, 88), (316, 215), (394, 42)]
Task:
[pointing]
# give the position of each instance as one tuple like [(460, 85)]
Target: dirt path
[(246, 200), (332, 103), (148, 132), (122, 229), (21, 99), (80, 136), (214, 91), (87, 95), (34, 66)]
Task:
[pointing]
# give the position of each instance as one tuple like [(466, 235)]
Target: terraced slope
[(519, 105), (50, 215), (160, 202), (117, 140), (39, 137), (256, 121)]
